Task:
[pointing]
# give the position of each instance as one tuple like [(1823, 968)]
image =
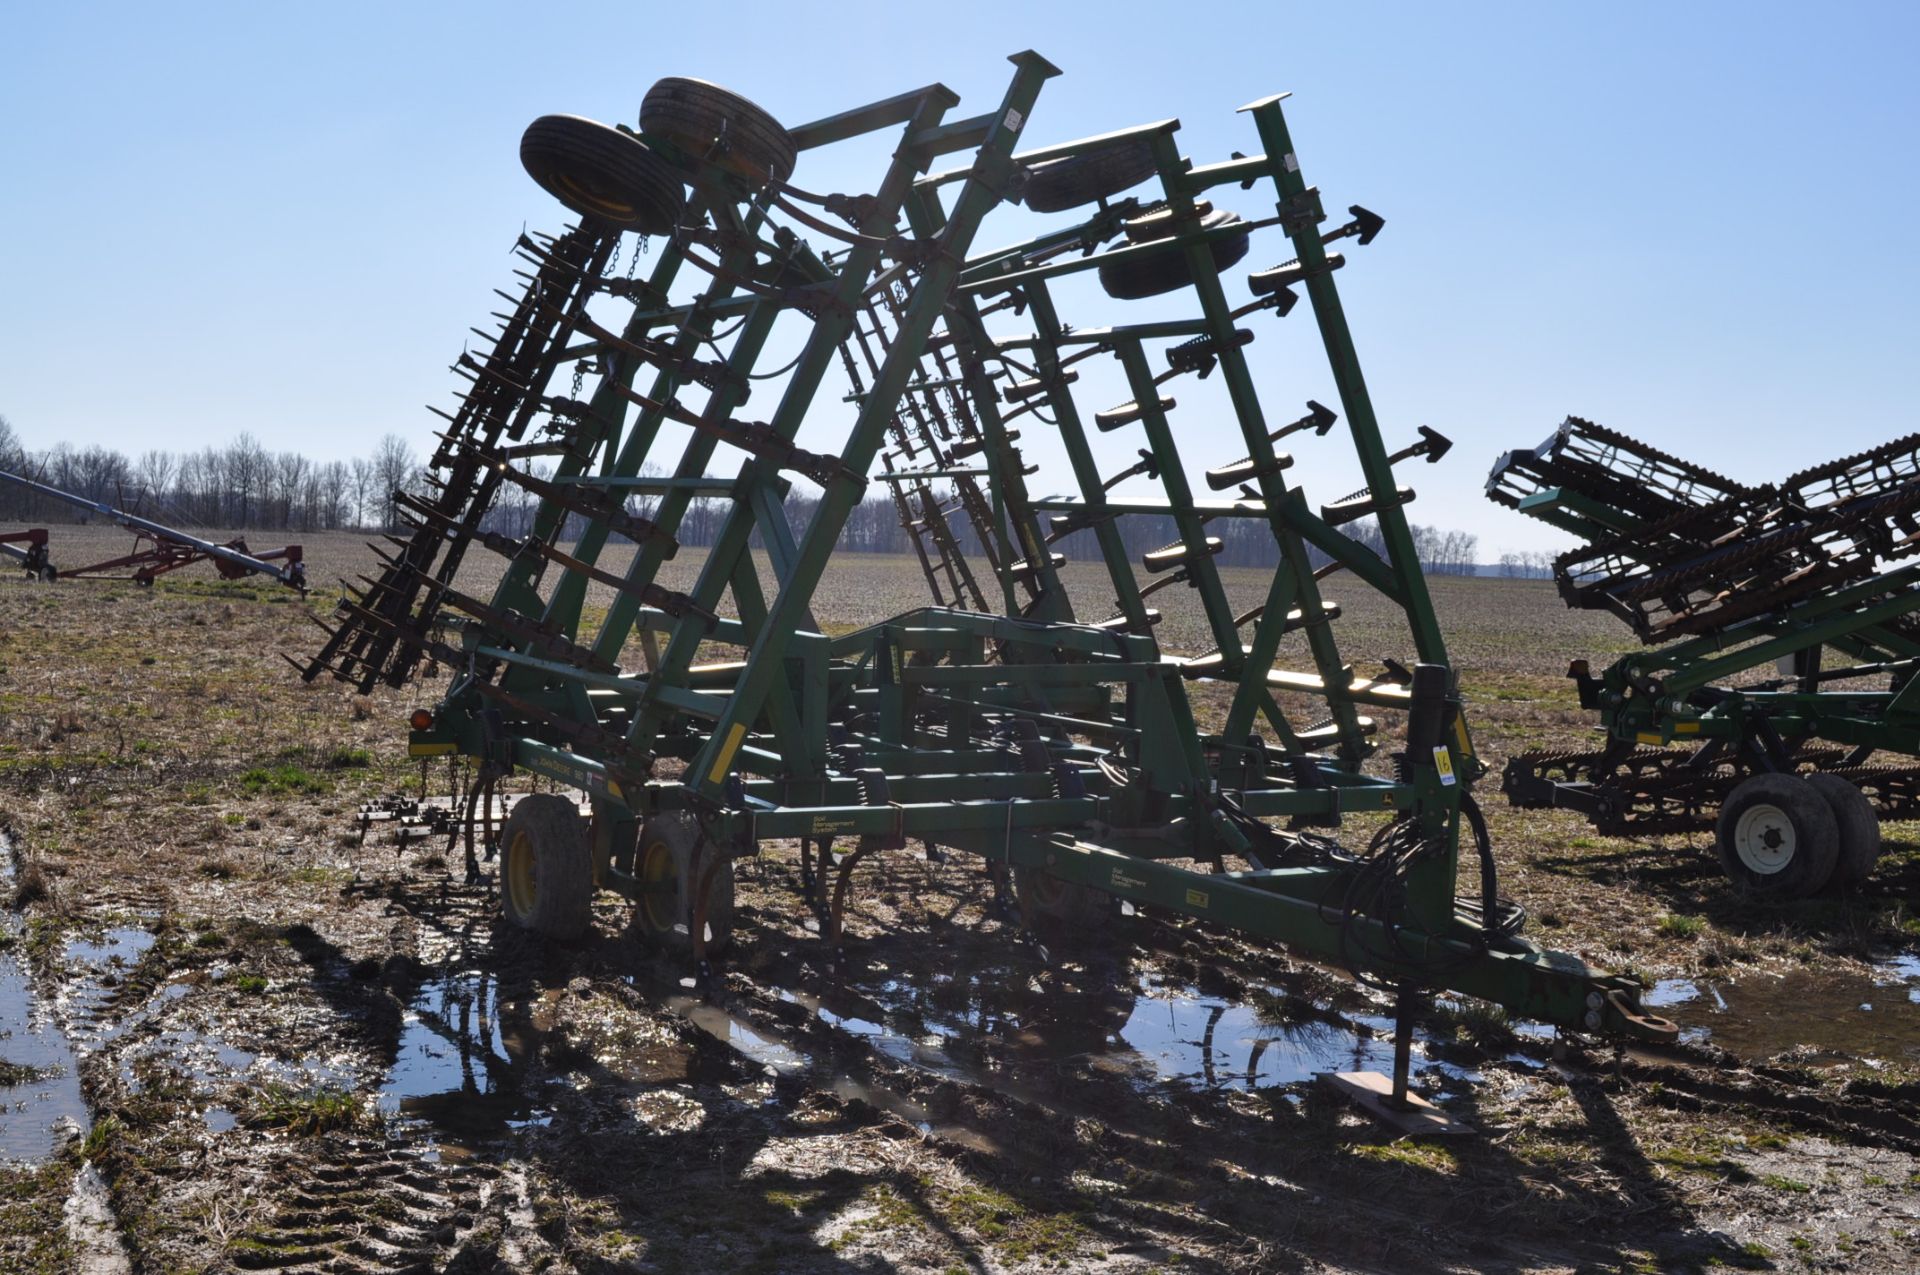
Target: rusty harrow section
[(1676, 551), (1051, 736), (1721, 581)]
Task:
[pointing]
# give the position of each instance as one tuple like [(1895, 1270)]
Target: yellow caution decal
[(725, 759)]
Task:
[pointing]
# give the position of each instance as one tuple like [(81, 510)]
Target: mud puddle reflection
[(460, 1065), (40, 1099), (1000, 1024), (1823, 1016)]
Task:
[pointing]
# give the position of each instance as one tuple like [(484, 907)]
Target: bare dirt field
[(233, 1036)]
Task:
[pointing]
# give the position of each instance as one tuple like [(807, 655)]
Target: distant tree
[(335, 480), (394, 465), (154, 476), (289, 476)]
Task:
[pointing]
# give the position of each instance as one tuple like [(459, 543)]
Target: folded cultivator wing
[(1721, 581), (1048, 734)]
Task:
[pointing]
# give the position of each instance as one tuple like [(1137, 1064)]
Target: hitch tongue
[(1637, 1022)]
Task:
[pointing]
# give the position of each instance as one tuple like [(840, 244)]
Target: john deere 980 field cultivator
[(1048, 735), (1726, 583)]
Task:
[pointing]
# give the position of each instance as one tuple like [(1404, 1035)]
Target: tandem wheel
[(546, 872), (663, 862), (1777, 837)]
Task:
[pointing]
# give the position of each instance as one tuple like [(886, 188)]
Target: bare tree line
[(1534, 564), (245, 486), (239, 486)]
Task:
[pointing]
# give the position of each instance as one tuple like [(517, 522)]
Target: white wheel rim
[(1764, 839)]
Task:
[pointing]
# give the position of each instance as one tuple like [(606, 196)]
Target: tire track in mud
[(403, 1201), (354, 1204), (396, 1203), (366, 1205)]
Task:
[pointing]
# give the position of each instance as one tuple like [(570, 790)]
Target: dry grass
[(156, 754)]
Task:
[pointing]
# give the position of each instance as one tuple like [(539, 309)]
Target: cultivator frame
[(996, 720), (1720, 580)]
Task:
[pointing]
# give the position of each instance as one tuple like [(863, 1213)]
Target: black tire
[(662, 861), (1859, 826), (1151, 273), (602, 174), (1056, 185), (1777, 837), (546, 868), (1047, 902), (723, 128)]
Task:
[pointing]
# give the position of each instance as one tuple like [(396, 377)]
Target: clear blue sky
[(1692, 222)]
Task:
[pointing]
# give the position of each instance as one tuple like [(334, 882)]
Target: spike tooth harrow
[(1720, 579), (993, 720)]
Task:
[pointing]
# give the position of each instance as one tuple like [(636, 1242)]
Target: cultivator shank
[(1048, 734)]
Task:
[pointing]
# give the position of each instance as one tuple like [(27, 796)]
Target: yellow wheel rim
[(593, 197), (661, 883), (522, 890)]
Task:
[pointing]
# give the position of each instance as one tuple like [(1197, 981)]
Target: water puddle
[(459, 1063), (43, 1104), (1000, 1023), (1191, 1039), (775, 1057), (1832, 1015)]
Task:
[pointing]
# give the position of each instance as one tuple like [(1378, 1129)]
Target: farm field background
[(292, 1049)]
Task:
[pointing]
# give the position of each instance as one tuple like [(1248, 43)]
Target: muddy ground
[(236, 1037)]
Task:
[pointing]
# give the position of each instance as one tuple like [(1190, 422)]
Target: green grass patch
[(249, 984), (310, 1111), (285, 778), (1676, 926), (13, 1073), (1790, 1185), (314, 874)]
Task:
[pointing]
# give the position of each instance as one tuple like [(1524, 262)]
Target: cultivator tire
[(1056, 185), (546, 868), (603, 174), (1777, 837), (1047, 902), (1152, 273), (1859, 828), (723, 128), (663, 861)]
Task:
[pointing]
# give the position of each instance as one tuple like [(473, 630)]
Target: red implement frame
[(161, 556)]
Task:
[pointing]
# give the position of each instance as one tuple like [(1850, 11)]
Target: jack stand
[(1389, 1101)]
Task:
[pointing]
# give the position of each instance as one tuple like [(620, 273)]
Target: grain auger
[(1001, 719), (1721, 582), (158, 548)]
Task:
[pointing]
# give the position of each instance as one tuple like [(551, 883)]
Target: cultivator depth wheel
[(707, 122), (1048, 902), (602, 173), (1777, 837), (669, 879), (547, 867)]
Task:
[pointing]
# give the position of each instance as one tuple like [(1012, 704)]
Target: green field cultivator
[(1049, 736), (1775, 701)]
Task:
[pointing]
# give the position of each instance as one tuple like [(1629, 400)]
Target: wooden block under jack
[(1372, 1093)]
